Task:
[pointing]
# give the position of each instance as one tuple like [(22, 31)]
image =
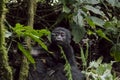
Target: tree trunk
[(25, 65), (5, 69)]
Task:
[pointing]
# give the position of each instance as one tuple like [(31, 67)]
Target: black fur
[(53, 68)]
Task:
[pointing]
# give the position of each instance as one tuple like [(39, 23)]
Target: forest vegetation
[(94, 26)]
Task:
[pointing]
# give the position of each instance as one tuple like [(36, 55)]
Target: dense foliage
[(94, 24)]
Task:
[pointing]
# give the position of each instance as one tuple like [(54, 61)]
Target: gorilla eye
[(62, 34)]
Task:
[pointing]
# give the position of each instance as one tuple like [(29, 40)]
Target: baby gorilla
[(53, 69), (61, 36)]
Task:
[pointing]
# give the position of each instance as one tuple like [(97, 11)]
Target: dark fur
[(53, 69)]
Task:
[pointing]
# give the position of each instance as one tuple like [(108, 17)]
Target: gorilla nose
[(59, 38)]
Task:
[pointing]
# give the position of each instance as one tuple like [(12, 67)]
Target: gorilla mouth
[(59, 42)]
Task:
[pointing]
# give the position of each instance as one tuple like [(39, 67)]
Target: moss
[(5, 69)]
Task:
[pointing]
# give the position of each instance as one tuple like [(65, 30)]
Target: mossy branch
[(5, 69), (25, 64)]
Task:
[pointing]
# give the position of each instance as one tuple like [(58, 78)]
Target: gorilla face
[(60, 36)]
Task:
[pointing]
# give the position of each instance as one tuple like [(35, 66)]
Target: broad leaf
[(26, 53), (90, 22), (115, 3), (43, 32), (94, 10), (37, 39), (102, 34), (112, 2), (98, 21), (36, 35), (77, 32), (78, 18), (115, 52), (88, 1), (66, 9), (93, 1)]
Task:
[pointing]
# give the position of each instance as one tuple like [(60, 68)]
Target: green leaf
[(83, 58), (37, 39), (115, 52), (115, 3), (112, 2), (88, 1), (93, 64), (26, 53), (118, 4), (102, 34), (8, 34), (23, 31), (66, 9), (18, 28), (93, 1), (89, 32), (67, 66), (78, 18), (77, 32), (100, 70), (99, 60), (94, 10), (98, 21), (43, 32), (90, 22), (109, 24)]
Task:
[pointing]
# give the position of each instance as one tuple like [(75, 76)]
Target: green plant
[(99, 71), (26, 31), (67, 66), (112, 30), (84, 55)]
